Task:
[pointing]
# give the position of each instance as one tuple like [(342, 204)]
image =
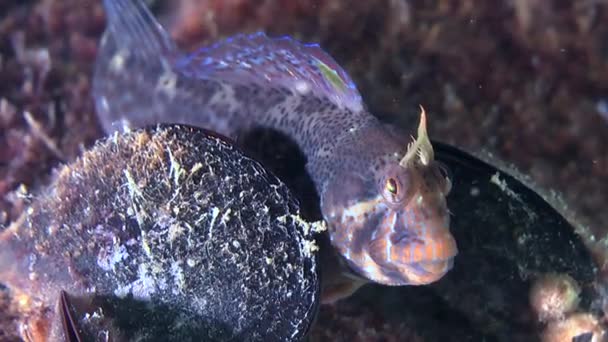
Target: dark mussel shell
[(169, 233), (509, 235)]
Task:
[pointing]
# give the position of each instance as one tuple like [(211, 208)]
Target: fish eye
[(392, 191), (391, 186), (397, 186)]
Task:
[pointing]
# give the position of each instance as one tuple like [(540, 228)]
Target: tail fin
[(134, 28), (134, 53)]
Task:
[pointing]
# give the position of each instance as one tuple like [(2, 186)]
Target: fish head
[(393, 228)]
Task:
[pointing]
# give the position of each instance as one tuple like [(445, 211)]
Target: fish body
[(384, 202)]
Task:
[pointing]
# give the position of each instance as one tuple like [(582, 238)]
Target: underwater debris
[(162, 234), (554, 295), (582, 327)]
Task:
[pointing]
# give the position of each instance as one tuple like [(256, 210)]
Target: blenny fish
[(384, 200)]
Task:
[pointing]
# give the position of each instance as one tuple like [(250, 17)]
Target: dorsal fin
[(137, 61), (256, 58)]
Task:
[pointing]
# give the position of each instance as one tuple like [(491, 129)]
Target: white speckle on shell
[(142, 288), (226, 216), (178, 277), (108, 258), (175, 230), (214, 213)]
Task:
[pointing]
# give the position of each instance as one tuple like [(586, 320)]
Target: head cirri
[(398, 232)]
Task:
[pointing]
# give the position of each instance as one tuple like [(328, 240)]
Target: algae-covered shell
[(166, 234)]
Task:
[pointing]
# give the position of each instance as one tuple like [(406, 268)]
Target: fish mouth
[(429, 259), (426, 272), (416, 261), (404, 249)]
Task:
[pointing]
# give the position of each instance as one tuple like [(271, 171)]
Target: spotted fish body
[(386, 213)]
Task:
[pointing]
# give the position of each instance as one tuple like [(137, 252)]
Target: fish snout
[(429, 257), (411, 254), (426, 272)]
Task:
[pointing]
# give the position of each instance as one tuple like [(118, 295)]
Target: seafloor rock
[(163, 234)]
